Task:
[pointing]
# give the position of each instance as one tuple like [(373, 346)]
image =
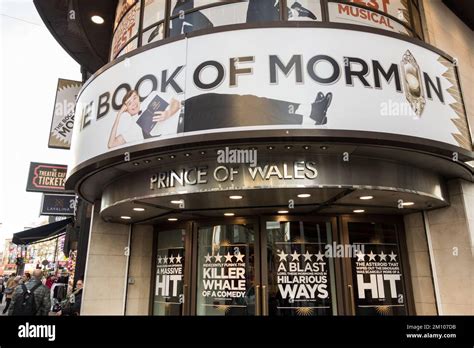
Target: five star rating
[(228, 257), (372, 257), (296, 257)]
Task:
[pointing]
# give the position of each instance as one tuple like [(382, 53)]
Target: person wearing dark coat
[(73, 307)]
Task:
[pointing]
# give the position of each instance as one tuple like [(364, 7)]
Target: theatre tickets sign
[(45, 177), (367, 82)]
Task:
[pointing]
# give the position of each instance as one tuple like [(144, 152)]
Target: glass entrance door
[(266, 267), (376, 278), (299, 272), (228, 268)]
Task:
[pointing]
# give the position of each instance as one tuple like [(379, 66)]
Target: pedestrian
[(41, 293), (73, 306), (10, 289), (2, 289)]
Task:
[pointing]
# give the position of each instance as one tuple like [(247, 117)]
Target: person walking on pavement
[(40, 292), (12, 283)]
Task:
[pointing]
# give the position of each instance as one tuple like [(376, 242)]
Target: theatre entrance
[(281, 266)]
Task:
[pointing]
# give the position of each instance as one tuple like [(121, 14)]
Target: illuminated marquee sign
[(179, 89)]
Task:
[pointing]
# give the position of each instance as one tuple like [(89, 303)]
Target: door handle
[(257, 299), (351, 292), (264, 300), (185, 302)]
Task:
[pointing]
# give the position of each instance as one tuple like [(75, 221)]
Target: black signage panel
[(44, 177), (54, 204)]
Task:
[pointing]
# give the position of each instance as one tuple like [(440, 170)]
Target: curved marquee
[(270, 78)]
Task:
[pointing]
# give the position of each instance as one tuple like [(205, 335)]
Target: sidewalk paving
[(2, 305)]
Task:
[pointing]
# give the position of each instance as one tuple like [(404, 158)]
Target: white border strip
[(86, 268), (433, 264)]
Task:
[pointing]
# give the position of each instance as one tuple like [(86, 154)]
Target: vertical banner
[(62, 123)]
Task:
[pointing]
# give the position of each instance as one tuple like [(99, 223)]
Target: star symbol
[(228, 257), (239, 257), (159, 259), (371, 256), (360, 255), (208, 258), (218, 258), (307, 256), (172, 259), (295, 256), (165, 260), (178, 259), (319, 256), (392, 256), (282, 256), (382, 256)]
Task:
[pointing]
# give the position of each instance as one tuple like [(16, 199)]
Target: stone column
[(419, 263), (106, 266), (141, 251)]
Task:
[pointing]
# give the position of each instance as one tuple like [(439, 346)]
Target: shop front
[(281, 266), (283, 160)]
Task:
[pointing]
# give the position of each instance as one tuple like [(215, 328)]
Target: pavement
[(2, 305)]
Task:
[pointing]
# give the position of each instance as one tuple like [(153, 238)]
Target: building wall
[(106, 267), (444, 30), (419, 262), (141, 251), (451, 232)]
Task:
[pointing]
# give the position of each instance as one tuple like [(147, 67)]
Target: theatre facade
[(278, 158)]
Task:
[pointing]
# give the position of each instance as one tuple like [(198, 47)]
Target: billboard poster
[(179, 89), (44, 177), (58, 204), (346, 13), (62, 123), (303, 280), (378, 280), (126, 29), (122, 7)]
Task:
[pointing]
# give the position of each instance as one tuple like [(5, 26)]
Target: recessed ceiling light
[(139, 209), (306, 147), (282, 211), (323, 147), (235, 197), (359, 211), (366, 197), (159, 158), (172, 156), (288, 147), (229, 214), (408, 203), (147, 161), (125, 217), (270, 147), (136, 163), (172, 219), (176, 202), (187, 154), (203, 152), (304, 195), (97, 19)]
